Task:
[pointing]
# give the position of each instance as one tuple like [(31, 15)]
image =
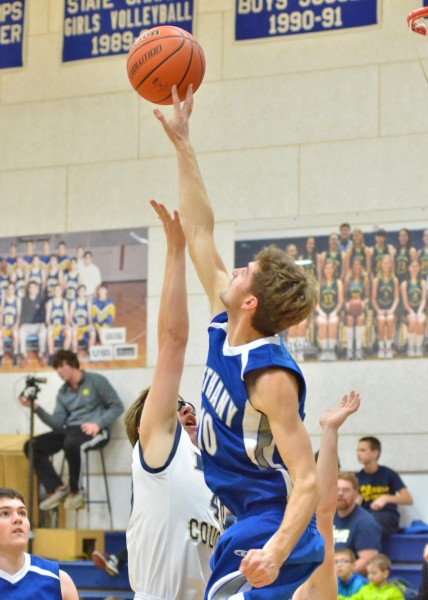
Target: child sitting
[(348, 580), (379, 588)]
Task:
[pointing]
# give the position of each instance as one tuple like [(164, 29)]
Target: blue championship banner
[(94, 28), (270, 18), (11, 33)]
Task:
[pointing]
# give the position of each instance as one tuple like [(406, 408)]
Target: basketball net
[(417, 21)]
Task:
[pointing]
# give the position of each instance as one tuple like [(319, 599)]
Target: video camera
[(32, 387)]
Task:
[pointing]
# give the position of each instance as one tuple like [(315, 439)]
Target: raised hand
[(177, 128), (335, 417), (171, 225)]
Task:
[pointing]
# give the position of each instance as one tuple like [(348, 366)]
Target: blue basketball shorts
[(253, 532)]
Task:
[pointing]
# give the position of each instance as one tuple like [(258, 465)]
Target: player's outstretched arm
[(274, 392), (195, 208), (159, 417), (322, 584)]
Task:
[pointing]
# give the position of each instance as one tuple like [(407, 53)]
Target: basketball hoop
[(415, 20)]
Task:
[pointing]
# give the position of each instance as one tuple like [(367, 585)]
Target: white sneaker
[(74, 501), (349, 354), (381, 353), (388, 353), (54, 499), (358, 354)]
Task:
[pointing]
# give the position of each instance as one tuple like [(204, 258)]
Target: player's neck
[(371, 467), (240, 331), (13, 562)]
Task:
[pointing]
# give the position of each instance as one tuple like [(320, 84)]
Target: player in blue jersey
[(103, 311), (25, 576), (256, 451)]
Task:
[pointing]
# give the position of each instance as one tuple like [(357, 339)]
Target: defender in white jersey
[(174, 523), (256, 387), (26, 576)]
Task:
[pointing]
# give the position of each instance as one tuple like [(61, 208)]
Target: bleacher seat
[(406, 553)]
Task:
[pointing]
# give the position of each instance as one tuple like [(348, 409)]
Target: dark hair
[(6, 492), (409, 240), (345, 225), (286, 293), (373, 442), (133, 416), (65, 356)]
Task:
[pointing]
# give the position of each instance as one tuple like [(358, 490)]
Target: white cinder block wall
[(293, 136)]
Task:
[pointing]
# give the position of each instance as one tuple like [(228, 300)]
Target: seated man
[(86, 407), (354, 527), (380, 487)]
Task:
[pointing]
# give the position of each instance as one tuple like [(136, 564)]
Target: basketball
[(164, 56), (355, 307)]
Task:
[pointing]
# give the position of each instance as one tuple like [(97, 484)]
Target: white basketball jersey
[(173, 527)]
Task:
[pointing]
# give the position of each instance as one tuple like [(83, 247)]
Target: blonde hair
[(286, 293), (381, 561)]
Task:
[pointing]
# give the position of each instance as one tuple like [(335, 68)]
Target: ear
[(250, 303)]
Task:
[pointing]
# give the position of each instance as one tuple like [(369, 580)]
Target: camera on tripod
[(32, 387)]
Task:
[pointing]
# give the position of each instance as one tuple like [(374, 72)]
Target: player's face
[(346, 495), (376, 575), (343, 566), (187, 417), (239, 286), (14, 525), (364, 453), (357, 268), (414, 269)]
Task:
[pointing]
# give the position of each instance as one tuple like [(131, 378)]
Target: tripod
[(31, 392)]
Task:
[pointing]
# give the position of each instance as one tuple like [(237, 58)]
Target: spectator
[(379, 588), (354, 527), (348, 580), (381, 488), (345, 242), (32, 321), (89, 274), (86, 407), (26, 576)]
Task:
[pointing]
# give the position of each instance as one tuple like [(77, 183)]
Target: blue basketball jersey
[(242, 464), (38, 579)]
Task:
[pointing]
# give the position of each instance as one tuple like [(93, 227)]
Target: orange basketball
[(355, 307), (164, 56)]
